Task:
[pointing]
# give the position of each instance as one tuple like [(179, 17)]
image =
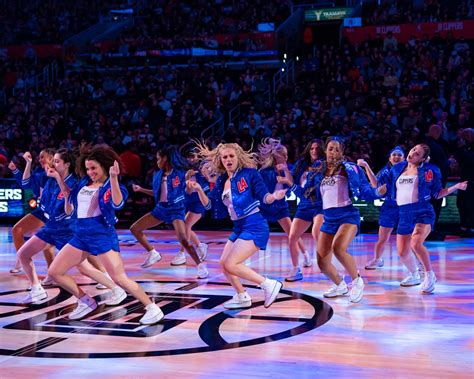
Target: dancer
[(194, 212), (412, 184), (335, 182), (94, 201), (169, 186), (58, 230), (240, 188), (272, 158), (307, 211), (388, 218), (34, 220)]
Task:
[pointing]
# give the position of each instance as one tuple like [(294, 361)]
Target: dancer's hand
[(28, 158), (193, 186), (382, 190), (461, 185), (52, 172), (114, 170), (279, 194), (362, 163), (136, 188)]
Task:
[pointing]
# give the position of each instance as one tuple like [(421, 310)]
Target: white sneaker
[(413, 279), (179, 259), (374, 264), (429, 282), (16, 270), (117, 295), (271, 288), (85, 305), (239, 300), (152, 315), (100, 286), (37, 293), (337, 290), (202, 251), (153, 257), (307, 261), (357, 290), (47, 281), (202, 271), (295, 275)]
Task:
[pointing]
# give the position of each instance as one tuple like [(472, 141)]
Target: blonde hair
[(268, 151), (212, 158)]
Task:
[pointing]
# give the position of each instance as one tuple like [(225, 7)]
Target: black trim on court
[(102, 322)]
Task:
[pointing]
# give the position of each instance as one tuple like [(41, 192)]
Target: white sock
[(409, 262)]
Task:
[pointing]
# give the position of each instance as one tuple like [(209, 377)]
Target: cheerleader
[(388, 218), (169, 186), (93, 202), (241, 190), (34, 220), (272, 158), (334, 183), (58, 229), (307, 211), (194, 212), (412, 184)]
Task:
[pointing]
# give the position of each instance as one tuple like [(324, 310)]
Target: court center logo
[(195, 321)]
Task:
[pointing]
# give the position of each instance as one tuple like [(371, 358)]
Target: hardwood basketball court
[(394, 331)]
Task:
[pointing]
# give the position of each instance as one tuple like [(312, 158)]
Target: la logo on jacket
[(176, 182), (242, 185), (107, 196), (429, 175)]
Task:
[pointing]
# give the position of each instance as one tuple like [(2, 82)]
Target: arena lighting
[(297, 58), (283, 69), (284, 56), (33, 203)]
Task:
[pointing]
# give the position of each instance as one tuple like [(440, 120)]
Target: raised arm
[(27, 172), (117, 197), (370, 174)]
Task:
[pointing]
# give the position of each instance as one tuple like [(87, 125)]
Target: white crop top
[(164, 189), (227, 200), (88, 203), (407, 189), (335, 192)]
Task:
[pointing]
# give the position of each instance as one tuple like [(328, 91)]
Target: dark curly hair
[(102, 154)]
